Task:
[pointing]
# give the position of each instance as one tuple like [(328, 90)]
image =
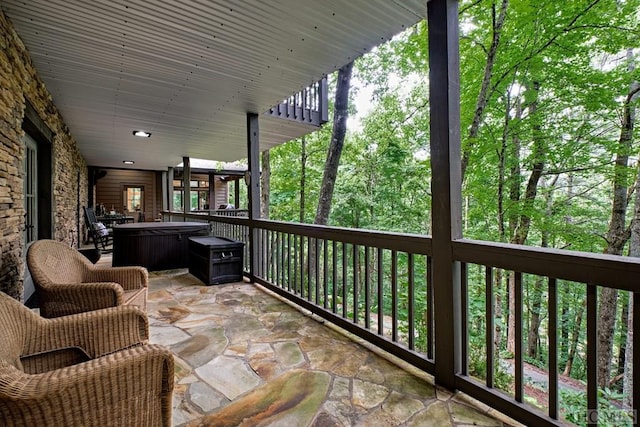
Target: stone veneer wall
[(19, 81)]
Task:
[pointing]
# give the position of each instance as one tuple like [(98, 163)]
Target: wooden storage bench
[(215, 260)]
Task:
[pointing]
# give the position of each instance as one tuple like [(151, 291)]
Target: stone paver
[(246, 358)]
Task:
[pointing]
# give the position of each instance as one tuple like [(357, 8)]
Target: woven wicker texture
[(67, 283), (89, 369)]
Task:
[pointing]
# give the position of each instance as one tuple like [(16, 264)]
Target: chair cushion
[(101, 229)]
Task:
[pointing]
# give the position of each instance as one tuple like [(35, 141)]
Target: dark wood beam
[(444, 104), (186, 185), (253, 154)]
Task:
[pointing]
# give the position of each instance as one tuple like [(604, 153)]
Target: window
[(133, 198), (177, 200)]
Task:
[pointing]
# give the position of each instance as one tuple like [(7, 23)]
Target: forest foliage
[(548, 93)]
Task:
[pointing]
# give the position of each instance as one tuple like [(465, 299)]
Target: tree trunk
[(634, 251), (524, 221), (265, 184), (498, 310), (303, 177), (534, 322), (340, 115), (564, 330), (627, 378), (622, 349), (564, 299), (533, 337), (617, 237), (502, 169), (483, 95), (573, 346)]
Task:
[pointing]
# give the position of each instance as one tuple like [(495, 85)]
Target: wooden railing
[(378, 286), (309, 106), (223, 212)]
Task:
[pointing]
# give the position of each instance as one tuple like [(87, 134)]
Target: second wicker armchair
[(89, 369), (67, 283)]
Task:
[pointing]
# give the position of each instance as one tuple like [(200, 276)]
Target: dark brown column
[(170, 206), (253, 153), (186, 185), (444, 101)]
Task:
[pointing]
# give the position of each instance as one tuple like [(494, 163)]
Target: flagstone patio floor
[(244, 357)]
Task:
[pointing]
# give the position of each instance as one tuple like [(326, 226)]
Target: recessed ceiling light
[(141, 133), (128, 162)]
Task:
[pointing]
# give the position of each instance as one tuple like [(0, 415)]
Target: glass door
[(30, 190)]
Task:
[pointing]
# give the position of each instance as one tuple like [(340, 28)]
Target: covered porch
[(403, 294)]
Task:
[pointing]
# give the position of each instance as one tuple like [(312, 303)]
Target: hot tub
[(155, 245)]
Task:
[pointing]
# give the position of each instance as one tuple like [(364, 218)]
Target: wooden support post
[(444, 101), (170, 206), (253, 191), (186, 185), (213, 201)]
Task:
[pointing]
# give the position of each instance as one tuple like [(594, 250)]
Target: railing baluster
[(489, 325), (592, 349), (303, 276), (325, 273), (334, 276), (464, 316), (429, 312), (367, 289), (380, 292), (310, 245), (344, 280), (636, 351), (275, 258), (317, 267), (356, 282), (261, 253), (295, 264), (553, 348), (518, 366), (411, 302), (394, 296), (265, 255), (281, 260), (288, 261), (270, 259)]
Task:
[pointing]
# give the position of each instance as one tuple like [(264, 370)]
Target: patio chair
[(89, 369), (101, 236), (67, 283)]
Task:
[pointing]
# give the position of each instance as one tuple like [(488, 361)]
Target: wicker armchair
[(88, 369), (67, 283)]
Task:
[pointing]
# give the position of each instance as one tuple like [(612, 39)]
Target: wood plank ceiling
[(188, 71)]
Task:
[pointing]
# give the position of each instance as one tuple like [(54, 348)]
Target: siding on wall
[(109, 190), (19, 81), (222, 193)]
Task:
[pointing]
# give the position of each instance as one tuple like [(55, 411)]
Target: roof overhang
[(190, 71)]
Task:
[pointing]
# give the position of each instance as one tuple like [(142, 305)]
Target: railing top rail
[(613, 271), (404, 242)]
